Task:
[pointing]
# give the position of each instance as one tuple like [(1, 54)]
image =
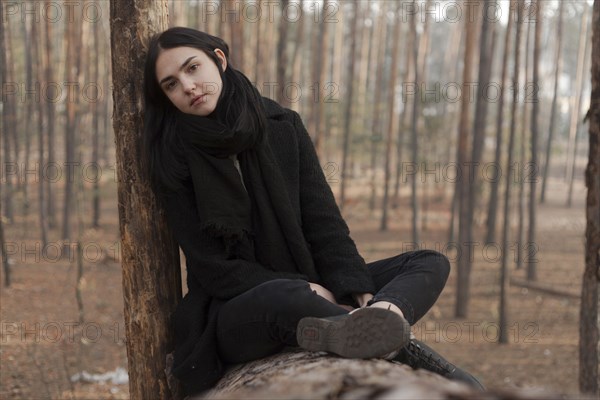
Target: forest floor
[(43, 343)]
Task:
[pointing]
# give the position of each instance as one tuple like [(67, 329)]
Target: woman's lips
[(198, 100)]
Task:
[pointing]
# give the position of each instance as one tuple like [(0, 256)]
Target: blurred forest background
[(451, 125)]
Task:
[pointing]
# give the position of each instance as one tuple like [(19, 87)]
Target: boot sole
[(365, 333)]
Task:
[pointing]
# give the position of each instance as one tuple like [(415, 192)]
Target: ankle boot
[(364, 333), (418, 355)]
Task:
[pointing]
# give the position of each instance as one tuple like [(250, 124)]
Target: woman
[(269, 258)]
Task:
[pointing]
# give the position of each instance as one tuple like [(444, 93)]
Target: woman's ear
[(222, 57)]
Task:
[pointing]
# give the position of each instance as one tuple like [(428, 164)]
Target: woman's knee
[(437, 263)]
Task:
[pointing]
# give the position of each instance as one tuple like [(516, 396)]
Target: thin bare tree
[(37, 41), (392, 120), (589, 326), (379, 54), (531, 262), (3, 126), (51, 118), (94, 110), (495, 183), (349, 102), (8, 114), (282, 58), (462, 288), (557, 71), (575, 104), (73, 36), (522, 137), (30, 101), (578, 122), (479, 122), (504, 274)]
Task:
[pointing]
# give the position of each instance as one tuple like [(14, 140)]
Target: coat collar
[(272, 108)]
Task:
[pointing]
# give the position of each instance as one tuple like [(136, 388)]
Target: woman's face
[(190, 79)]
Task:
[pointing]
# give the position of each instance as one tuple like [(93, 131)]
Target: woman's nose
[(188, 85)]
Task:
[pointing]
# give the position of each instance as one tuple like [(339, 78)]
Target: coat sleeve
[(343, 271), (206, 258)]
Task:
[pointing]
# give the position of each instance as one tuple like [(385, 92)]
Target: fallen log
[(296, 374)]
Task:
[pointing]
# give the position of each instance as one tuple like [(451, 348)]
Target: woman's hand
[(362, 298)]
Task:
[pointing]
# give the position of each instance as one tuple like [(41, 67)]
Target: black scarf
[(258, 224)]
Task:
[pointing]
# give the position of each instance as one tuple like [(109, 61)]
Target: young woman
[(270, 262)]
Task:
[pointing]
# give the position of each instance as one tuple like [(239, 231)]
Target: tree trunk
[(29, 84), (391, 128), (8, 115), (282, 59), (414, 137), (479, 123), (5, 265), (579, 92), (504, 275), (348, 106), (521, 163), (40, 64), (51, 116), (531, 262), (95, 133), (149, 254), (495, 183), (319, 76), (576, 109), (73, 35), (235, 22), (462, 289), (381, 40), (557, 72), (589, 328)]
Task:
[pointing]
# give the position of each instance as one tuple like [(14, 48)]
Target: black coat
[(213, 278)]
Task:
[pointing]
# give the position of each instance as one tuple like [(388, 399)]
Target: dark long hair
[(239, 106)]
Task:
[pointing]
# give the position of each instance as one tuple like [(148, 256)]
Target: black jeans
[(262, 321)]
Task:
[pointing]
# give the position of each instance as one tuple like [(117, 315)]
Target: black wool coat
[(213, 277)]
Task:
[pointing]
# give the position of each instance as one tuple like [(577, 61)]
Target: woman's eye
[(170, 85), (193, 67)]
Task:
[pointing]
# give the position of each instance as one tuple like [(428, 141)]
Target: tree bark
[(5, 265), (479, 123), (73, 35), (495, 183), (578, 123), (8, 114), (391, 128), (29, 83), (282, 58), (462, 289), (589, 328), (504, 274), (557, 72), (40, 63), (381, 40), (522, 137), (303, 375), (576, 109), (51, 116), (323, 88), (531, 262), (348, 106), (95, 132), (149, 254)]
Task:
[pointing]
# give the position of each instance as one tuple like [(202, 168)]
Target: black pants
[(262, 321)]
